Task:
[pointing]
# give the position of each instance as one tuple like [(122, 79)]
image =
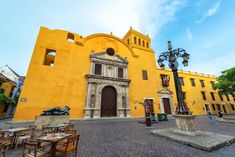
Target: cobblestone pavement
[(129, 138)]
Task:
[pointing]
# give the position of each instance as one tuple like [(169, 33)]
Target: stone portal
[(107, 86)]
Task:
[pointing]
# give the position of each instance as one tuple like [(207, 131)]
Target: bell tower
[(136, 39)]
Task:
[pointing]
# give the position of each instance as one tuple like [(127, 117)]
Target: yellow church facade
[(102, 75)]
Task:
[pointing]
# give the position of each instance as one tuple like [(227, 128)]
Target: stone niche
[(53, 120)]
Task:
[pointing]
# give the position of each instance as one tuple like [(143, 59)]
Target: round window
[(110, 51)]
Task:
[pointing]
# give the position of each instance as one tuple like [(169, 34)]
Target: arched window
[(135, 40), (128, 41), (139, 42), (70, 37), (147, 44), (49, 59), (143, 44)]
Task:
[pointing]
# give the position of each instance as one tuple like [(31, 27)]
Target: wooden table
[(14, 131), (54, 139)]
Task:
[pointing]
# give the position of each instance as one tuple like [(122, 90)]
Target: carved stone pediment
[(164, 90), (103, 56)]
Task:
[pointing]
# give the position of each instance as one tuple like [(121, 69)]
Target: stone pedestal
[(185, 124), (121, 112), (87, 114), (44, 120), (128, 114)]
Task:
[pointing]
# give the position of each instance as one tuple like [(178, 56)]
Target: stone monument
[(53, 116)]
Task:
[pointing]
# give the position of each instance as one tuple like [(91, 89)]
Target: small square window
[(212, 85), (227, 97), (49, 58), (213, 106), (70, 37), (212, 96), (203, 95), (192, 82), (202, 83), (145, 74), (181, 79), (221, 97)]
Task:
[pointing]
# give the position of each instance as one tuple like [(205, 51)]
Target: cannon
[(56, 111)]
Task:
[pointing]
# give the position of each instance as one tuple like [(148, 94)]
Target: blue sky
[(205, 28)]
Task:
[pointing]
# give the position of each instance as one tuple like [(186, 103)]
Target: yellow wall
[(194, 97), (65, 83)]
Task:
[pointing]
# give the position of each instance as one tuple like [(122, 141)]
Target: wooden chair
[(31, 149), (22, 136), (8, 135), (46, 129), (36, 134), (5, 143), (69, 146), (72, 132), (70, 126)]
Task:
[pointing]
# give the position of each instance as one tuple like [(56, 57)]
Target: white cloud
[(213, 10), (157, 14), (87, 17), (189, 34), (210, 12)]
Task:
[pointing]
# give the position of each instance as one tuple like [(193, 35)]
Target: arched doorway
[(109, 102)]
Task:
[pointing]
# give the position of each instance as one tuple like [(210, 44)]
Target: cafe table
[(54, 139), (14, 132)]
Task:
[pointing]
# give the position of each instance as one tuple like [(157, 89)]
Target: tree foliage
[(5, 100), (226, 82)]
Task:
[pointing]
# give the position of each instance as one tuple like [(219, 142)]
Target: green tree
[(226, 82), (5, 100)]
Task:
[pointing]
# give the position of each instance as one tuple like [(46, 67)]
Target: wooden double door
[(109, 102)]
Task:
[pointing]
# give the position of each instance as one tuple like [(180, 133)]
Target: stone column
[(115, 72), (97, 108), (87, 113), (127, 102), (161, 103), (91, 68), (103, 72), (125, 73), (119, 102)]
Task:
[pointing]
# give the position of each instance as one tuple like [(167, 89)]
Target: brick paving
[(128, 138)]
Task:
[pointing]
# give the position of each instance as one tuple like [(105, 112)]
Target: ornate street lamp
[(171, 56)]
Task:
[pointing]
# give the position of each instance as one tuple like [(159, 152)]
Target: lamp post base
[(185, 124)]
